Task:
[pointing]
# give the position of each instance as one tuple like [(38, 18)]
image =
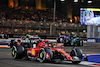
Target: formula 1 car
[(46, 51), (70, 41), (26, 41)]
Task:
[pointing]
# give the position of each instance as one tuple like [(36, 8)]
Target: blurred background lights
[(89, 1), (62, 0), (75, 0), (82, 0)]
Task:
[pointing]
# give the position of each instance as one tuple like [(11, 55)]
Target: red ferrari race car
[(46, 51)]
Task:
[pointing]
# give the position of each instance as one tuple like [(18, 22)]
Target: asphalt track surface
[(6, 59)]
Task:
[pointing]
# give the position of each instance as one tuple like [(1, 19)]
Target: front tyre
[(41, 55), (76, 55)]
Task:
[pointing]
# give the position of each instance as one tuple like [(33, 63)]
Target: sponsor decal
[(62, 51)]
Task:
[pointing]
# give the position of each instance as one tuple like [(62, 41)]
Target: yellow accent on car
[(33, 52), (62, 51)]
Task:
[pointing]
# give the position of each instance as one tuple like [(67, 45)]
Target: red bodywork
[(33, 52)]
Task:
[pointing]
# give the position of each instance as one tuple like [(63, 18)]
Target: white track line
[(90, 63)]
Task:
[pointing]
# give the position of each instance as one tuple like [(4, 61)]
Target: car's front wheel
[(76, 55), (41, 55)]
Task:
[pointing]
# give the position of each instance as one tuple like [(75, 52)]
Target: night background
[(62, 7)]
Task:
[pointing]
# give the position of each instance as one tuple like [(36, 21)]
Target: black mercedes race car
[(25, 41)]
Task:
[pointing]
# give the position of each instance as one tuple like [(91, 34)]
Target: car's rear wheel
[(16, 54)]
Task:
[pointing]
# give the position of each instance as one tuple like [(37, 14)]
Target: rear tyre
[(16, 53)]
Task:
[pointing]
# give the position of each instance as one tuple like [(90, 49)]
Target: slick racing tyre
[(17, 52), (41, 55), (76, 54)]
